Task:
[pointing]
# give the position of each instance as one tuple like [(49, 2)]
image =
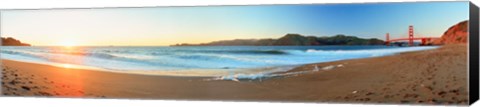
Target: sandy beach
[(426, 77)]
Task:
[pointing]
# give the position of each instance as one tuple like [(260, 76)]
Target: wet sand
[(426, 77)]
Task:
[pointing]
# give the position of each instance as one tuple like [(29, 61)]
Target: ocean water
[(165, 59)]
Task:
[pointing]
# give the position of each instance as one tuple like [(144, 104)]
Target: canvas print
[(387, 53)]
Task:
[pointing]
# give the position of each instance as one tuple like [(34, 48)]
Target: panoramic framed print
[(423, 53)]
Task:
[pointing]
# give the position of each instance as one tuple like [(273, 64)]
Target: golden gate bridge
[(410, 39)]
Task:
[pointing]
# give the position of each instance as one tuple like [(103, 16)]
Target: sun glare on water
[(66, 65)]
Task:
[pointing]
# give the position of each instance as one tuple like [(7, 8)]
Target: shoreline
[(207, 73), (368, 80), (199, 72), (111, 62)]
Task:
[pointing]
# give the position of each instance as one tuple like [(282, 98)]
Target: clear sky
[(170, 25)]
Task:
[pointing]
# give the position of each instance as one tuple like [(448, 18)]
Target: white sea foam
[(316, 68), (340, 65), (328, 67)]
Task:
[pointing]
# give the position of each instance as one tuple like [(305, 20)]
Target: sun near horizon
[(67, 43)]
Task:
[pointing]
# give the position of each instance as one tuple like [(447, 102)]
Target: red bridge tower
[(410, 35), (387, 41)]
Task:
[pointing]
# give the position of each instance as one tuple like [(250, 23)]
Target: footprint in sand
[(26, 88)]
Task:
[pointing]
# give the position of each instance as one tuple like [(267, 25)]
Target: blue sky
[(171, 25)]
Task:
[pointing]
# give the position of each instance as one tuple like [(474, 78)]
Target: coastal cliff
[(457, 34), (9, 41), (293, 40)]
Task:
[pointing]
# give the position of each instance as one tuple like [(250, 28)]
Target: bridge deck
[(418, 38)]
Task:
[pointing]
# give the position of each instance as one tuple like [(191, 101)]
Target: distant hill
[(457, 34), (9, 41), (293, 40)]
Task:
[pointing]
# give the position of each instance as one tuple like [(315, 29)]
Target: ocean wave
[(261, 52), (272, 52), (371, 52), (162, 58), (22, 53)]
